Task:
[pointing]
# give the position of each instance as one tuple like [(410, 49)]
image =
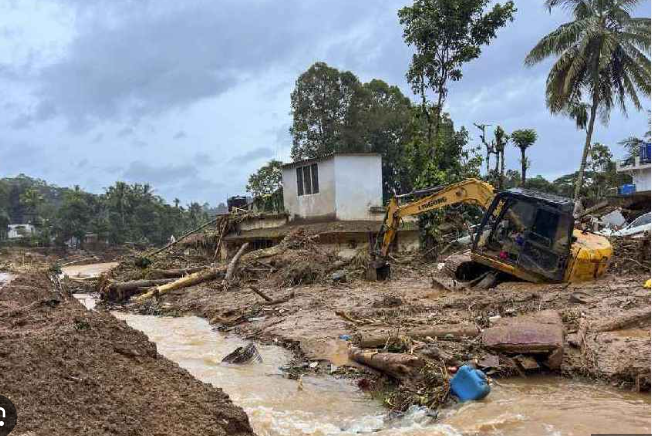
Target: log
[(397, 365), (623, 321), (135, 284), (174, 273), (379, 339), (211, 273), (182, 237), (279, 301), (259, 292), (233, 265)]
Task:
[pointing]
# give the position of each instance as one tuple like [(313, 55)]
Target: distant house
[(17, 231), (343, 187), (638, 168)]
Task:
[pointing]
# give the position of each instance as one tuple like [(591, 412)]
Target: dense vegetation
[(123, 213)]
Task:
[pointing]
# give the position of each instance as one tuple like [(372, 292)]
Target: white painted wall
[(358, 186), (349, 185), (641, 179), (320, 205), (17, 231)]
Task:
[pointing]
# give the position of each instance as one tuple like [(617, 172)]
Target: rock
[(339, 276), (489, 361), (538, 333), (494, 319), (579, 297), (527, 362)]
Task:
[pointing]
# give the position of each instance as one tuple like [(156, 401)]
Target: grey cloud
[(126, 131), (138, 63), (180, 135), (253, 155), (164, 175), (203, 159)]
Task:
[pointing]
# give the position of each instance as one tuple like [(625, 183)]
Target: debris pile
[(631, 255)]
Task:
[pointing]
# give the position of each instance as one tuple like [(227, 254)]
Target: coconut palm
[(603, 61), (523, 139)]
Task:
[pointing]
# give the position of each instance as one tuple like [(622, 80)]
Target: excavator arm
[(469, 191)]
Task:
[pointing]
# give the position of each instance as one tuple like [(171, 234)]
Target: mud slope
[(74, 372)]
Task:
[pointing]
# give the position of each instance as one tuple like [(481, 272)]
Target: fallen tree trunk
[(182, 237), (397, 365), (211, 273), (233, 265), (173, 273), (130, 286), (279, 301), (622, 321), (259, 292), (379, 339)]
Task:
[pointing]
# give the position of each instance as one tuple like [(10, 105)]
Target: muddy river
[(545, 406), (328, 406)]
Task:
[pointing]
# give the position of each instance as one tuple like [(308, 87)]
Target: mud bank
[(72, 371)]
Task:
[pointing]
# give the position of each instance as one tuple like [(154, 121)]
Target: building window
[(308, 180)]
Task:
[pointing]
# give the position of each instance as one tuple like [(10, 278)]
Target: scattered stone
[(339, 276), (539, 333), (528, 363), (489, 361)]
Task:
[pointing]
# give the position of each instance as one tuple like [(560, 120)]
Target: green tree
[(602, 61), (387, 129), (326, 105), (446, 34), (266, 188), (31, 200), (523, 139)]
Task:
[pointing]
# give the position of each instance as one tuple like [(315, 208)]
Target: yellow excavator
[(523, 233)]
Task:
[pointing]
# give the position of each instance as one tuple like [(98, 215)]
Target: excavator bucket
[(378, 270)]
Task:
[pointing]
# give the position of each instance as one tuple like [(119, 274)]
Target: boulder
[(537, 333)]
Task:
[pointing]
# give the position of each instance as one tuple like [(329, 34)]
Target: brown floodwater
[(545, 406)]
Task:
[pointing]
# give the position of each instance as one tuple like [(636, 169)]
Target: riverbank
[(73, 371)]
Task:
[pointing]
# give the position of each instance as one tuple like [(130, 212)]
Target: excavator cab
[(526, 234)]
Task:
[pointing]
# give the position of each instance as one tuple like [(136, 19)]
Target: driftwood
[(376, 339), (259, 292), (279, 301), (397, 365), (211, 273), (173, 273), (622, 321), (135, 284), (233, 265), (223, 227), (182, 237)]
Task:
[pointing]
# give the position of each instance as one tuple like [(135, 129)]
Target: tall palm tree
[(603, 60), (523, 139)]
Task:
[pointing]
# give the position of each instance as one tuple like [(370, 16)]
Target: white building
[(17, 231), (639, 169), (342, 186)]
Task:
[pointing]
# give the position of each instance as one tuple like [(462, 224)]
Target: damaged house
[(338, 197)]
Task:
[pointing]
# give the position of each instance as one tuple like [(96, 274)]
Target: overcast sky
[(193, 96)]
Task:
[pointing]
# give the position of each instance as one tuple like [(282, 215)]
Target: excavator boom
[(469, 191)]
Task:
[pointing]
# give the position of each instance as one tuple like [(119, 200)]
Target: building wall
[(358, 186), (320, 205), (641, 179), (265, 222)]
